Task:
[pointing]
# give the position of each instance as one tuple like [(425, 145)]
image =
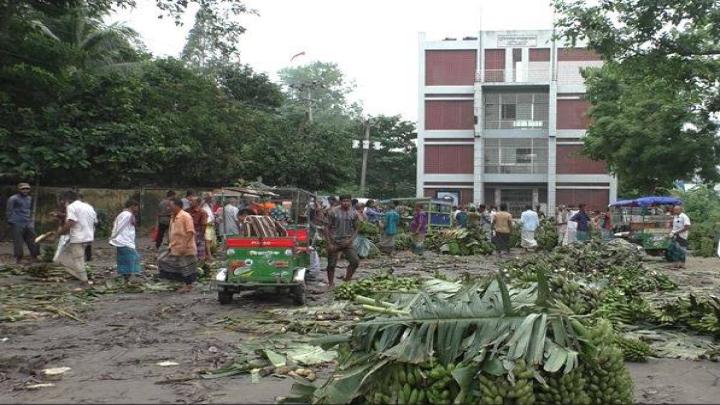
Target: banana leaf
[(501, 320), (487, 327)]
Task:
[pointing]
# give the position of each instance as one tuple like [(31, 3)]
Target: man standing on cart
[(343, 224)]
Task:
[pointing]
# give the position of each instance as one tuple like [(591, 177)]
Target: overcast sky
[(374, 42)]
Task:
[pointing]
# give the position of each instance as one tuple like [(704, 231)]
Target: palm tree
[(95, 44)]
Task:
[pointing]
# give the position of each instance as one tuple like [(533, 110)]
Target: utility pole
[(309, 105), (366, 148)]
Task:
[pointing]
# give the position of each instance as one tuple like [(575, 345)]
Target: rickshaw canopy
[(649, 201)]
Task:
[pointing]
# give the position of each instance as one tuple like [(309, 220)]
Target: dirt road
[(114, 349)]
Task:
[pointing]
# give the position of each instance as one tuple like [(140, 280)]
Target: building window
[(508, 112), (523, 156), (516, 156), (516, 110)]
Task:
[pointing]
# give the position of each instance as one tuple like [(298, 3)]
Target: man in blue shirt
[(583, 221), (391, 220), (530, 222), (19, 210), (373, 214)]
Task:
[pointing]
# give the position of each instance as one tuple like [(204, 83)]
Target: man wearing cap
[(19, 209)]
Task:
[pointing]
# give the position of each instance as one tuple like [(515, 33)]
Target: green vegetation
[(654, 98), (83, 103), (702, 205)]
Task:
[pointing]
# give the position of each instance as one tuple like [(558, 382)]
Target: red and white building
[(501, 118)]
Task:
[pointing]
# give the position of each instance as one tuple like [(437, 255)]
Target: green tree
[(91, 43), (649, 129), (391, 168), (243, 84), (208, 42), (655, 97), (702, 205), (315, 157), (219, 15), (322, 86)]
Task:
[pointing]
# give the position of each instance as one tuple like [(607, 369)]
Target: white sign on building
[(509, 41)]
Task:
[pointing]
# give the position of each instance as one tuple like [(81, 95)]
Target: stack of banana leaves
[(486, 343), (460, 242)]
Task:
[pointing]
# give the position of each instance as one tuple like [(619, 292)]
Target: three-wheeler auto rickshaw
[(270, 255)]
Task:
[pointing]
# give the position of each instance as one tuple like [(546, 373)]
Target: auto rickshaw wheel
[(298, 294), (225, 297)]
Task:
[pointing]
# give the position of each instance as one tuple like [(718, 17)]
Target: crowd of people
[(189, 228), (497, 223), (573, 225)]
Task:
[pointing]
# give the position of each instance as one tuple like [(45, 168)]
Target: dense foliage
[(82, 103), (702, 205), (654, 99)]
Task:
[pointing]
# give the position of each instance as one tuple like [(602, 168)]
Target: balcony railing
[(516, 168), (515, 124), (523, 74)]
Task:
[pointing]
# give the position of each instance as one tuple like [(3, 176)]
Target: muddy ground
[(114, 346)]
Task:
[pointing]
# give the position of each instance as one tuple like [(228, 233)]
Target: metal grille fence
[(516, 110), (516, 156)]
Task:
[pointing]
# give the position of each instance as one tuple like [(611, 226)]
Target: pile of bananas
[(582, 299), (403, 241), (561, 388), (547, 235), (426, 383), (634, 350), (460, 242), (370, 231), (699, 313), (590, 258), (635, 279), (607, 379), (500, 391), (378, 284)]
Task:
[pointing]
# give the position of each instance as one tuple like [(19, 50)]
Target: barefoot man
[(342, 229), (179, 262)]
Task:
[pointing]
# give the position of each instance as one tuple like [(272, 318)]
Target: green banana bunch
[(500, 391), (377, 284), (560, 388), (414, 384), (633, 349), (607, 379)]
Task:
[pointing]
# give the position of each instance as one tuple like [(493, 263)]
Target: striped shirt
[(343, 223)]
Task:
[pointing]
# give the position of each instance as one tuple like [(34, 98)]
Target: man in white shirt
[(80, 227), (189, 195), (680, 233), (229, 219), (530, 222), (210, 235), (123, 238)]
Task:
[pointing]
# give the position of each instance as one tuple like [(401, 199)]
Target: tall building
[(501, 118)]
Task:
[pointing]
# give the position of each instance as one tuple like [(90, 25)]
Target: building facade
[(501, 118)]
